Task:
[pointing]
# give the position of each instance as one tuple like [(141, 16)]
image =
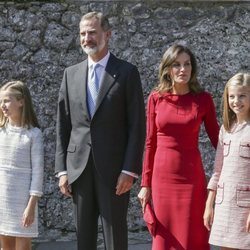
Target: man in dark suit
[(100, 137)]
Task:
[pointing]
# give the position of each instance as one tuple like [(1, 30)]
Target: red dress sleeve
[(151, 141), (210, 121)]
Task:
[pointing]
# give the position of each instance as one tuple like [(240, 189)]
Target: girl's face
[(11, 107), (180, 70), (239, 101)]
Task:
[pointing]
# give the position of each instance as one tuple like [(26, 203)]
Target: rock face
[(38, 40)]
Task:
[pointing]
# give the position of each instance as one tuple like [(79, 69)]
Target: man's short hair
[(99, 16)]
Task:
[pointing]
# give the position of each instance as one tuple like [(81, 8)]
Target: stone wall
[(39, 39)]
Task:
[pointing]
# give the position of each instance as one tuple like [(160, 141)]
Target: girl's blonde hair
[(169, 57), (20, 91), (229, 117)]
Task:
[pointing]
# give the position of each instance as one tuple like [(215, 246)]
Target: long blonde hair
[(20, 91), (229, 117), (169, 57)]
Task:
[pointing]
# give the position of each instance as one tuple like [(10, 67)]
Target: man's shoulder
[(121, 62), (76, 66)]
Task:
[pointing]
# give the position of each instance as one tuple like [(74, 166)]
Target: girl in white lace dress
[(229, 187), (21, 167)]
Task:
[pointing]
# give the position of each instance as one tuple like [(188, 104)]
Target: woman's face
[(180, 70)]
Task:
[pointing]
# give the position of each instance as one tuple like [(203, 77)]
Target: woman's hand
[(144, 196)]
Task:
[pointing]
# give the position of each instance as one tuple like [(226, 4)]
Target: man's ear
[(108, 34)]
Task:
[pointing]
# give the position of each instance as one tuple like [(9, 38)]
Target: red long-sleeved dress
[(173, 167)]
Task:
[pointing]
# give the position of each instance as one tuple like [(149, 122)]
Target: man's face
[(94, 40)]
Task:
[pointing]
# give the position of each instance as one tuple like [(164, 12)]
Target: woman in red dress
[(173, 175)]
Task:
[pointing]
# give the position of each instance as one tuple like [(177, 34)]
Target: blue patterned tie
[(93, 88)]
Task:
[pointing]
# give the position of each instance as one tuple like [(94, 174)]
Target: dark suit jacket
[(116, 133)]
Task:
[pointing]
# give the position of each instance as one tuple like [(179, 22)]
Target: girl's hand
[(29, 212), (248, 224), (144, 196), (28, 216), (208, 217)]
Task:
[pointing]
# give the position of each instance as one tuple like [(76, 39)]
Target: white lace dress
[(21, 175)]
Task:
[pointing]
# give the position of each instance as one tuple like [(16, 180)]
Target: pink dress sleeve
[(151, 140), (217, 163)]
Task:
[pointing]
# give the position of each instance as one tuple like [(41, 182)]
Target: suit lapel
[(81, 85), (109, 77)]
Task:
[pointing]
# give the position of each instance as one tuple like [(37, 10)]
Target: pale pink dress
[(231, 179)]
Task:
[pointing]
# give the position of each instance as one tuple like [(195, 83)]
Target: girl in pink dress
[(229, 187), (173, 176)]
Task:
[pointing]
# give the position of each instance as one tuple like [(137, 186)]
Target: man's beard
[(93, 50), (90, 51)]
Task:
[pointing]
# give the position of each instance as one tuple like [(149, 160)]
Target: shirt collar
[(103, 62)]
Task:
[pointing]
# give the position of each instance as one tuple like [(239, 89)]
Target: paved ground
[(137, 241), (59, 245), (71, 245)]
